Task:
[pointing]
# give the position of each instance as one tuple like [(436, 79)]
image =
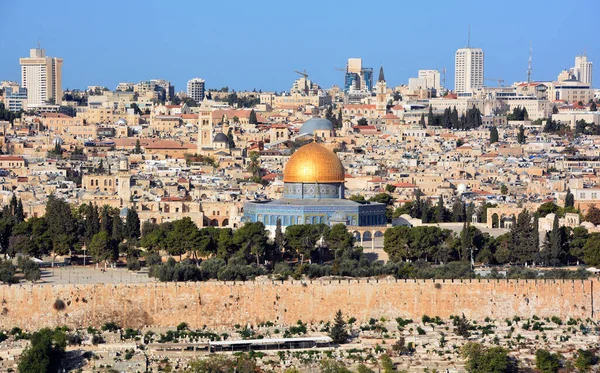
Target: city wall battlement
[(223, 304)]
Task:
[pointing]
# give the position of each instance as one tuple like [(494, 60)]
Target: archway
[(225, 223), (214, 223), (495, 221)]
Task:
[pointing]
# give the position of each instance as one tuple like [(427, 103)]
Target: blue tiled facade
[(312, 203)]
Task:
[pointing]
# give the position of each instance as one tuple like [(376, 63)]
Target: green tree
[(387, 364), (362, 122), (224, 364), (593, 106), (591, 250), (569, 199), (30, 269), (487, 360), (458, 213), (422, 121), (279, 239), (103, 249), (585, 359), (338, 332), (549, 208), (493, 134), (338, 238), (576, 243), (252, 117), (547, 362), (230, 137), (132, 225), (430, 117), (525, 245), (138, 147), (593, 215), (45, 352), (252, 238), (521, 138), (554, 249), (331, 366), (184, 237), (254, 164), (61, 225), (7, 272), (503, 189)]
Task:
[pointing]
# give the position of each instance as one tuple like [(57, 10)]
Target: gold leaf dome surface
[(313, 163)]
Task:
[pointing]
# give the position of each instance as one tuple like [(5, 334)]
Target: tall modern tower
[(195, 89), (468, 69), (357, 76), (42, 76), (583, 69)]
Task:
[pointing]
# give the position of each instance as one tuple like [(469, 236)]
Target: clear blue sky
[(259, 44)]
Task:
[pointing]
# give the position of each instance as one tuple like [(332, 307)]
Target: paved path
[(91, 275)]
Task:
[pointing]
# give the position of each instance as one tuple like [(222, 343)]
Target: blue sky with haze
[(259, 44)]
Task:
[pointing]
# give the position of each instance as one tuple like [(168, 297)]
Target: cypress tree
[(454, 118), (569, 199), (13, 205), (19, 213), (252, 118), (521, 135), (117, 229), (279, 239), (430, 118), (493, 135), (440, 211), (105, 221), (132, 225)]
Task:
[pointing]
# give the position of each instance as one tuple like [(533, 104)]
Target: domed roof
[(57, 141), (315, 124), (221, 137), (121, 122), (313, 163)]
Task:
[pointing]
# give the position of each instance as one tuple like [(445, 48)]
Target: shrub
[(97, 339), (585, 359), (110, 326), (133, 264), (59, 305), (547, 362), (153, 258)]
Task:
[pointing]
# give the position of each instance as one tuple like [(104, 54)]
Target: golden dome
[(313, 163)]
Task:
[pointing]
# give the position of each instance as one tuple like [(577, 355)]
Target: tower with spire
[(381, 93)]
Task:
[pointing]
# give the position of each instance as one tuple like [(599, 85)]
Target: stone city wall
[(223, 304)]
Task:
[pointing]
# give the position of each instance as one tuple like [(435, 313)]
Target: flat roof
[(265, 341)]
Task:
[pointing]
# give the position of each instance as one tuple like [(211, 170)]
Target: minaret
[(380, 89), (205, 126)]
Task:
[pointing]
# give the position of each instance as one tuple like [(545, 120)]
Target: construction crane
[(500, 81), (344, 69), (303, 73)]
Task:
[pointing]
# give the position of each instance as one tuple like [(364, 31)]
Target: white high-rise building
[(195, 89), (468, 65), (582, 70), (42, 76), (432, 78)]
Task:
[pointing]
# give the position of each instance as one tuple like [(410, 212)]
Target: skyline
[(225, 51)]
